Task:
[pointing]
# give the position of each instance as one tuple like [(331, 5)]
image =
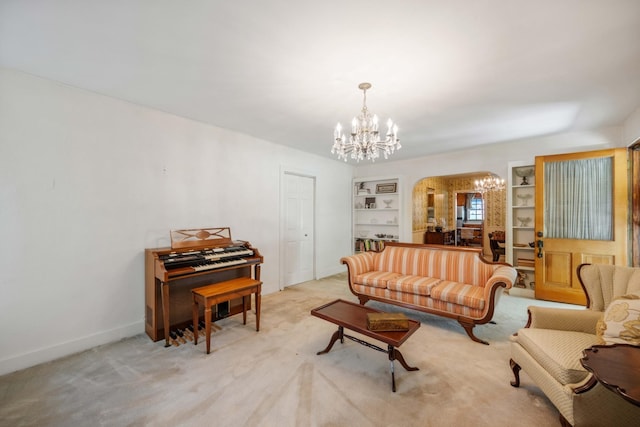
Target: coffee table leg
[(394, 354), (339, 334), (393, 377)]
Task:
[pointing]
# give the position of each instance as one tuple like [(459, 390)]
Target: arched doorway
[(437, 198)]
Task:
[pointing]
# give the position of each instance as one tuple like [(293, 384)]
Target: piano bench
[(210, 295)]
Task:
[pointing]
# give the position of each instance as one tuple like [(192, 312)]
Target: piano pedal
[(173, 339), (202, 329), (189, 329), (188, 334), (181, 336)]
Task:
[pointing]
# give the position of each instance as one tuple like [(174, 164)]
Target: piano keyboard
[(220, 264), (205, 259), (221, 255)]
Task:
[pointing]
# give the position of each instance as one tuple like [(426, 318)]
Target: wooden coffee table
[(354, 317)]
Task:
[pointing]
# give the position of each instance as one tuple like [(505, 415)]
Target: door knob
[(540, 246)]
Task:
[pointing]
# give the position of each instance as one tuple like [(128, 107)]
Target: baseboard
[(520, 292), (47, 354), (321, 274)]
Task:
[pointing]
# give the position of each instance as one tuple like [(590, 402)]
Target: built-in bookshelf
[(520, 237), (376, 213)]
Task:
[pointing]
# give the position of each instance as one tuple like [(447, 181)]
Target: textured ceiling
[(452, 73)]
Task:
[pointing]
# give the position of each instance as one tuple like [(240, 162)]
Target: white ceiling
[(451, 73)]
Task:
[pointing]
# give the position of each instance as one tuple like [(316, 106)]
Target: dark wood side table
[(617, 367), (439, 237)]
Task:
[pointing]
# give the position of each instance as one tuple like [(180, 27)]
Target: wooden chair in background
[(466, 236), (495, 239)]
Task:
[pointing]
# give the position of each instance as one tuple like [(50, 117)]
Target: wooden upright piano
[(197, 257)]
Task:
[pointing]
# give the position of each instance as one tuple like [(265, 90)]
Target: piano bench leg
[(195, 312), (258, 298), (244, 309), (207, 325)]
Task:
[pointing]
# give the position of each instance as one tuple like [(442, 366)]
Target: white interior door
[(299, 226)]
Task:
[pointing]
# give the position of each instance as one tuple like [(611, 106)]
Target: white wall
[(631, 132), (491, 158), (87, 182)]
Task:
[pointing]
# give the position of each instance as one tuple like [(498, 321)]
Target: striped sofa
[(448, 281)]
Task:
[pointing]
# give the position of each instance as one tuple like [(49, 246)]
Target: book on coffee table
[(385, 322)]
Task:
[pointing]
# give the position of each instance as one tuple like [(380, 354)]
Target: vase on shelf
[(525, 199), (524, 173), (524, 221)]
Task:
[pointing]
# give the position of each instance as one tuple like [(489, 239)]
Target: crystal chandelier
[(490, 183), (364, 140)]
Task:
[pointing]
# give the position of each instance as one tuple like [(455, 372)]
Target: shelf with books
[(377, 212), (365, 245)]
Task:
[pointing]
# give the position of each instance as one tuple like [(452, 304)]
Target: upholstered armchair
[(549, 348)]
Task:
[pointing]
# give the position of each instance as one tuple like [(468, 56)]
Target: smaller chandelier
[(364, 140), (490, 183)]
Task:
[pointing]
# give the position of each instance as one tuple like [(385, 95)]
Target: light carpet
[(274, 377)]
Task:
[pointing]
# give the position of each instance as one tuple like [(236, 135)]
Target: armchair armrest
[(563, 319)]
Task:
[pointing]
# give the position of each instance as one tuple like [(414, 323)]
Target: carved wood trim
[(635, 202)]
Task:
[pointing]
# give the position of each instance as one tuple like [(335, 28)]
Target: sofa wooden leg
[(363, 300), (564, 422), (516, 373), (469, 328)]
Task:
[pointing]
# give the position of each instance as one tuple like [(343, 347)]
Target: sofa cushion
[(417, 285), (459, 293), (376, 279), (558, 352)]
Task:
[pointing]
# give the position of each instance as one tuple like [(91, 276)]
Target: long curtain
[(578, 199)]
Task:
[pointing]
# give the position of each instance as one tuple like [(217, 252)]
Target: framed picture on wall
[(386, 188)]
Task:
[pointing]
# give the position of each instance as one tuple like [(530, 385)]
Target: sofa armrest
[(358, 263), (563, 319), (503, 274)]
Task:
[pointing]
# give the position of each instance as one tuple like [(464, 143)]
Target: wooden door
[(635, 203), (560, 249)]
